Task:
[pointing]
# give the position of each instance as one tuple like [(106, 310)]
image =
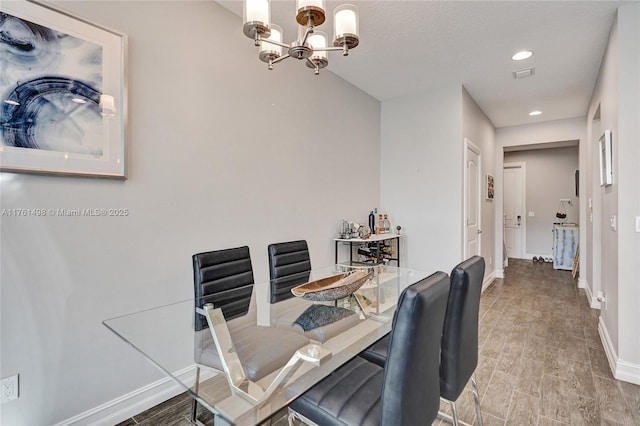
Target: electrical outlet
[(603, 301), (9, 389)]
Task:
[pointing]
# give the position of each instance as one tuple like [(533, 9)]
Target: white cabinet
[(565, 245)]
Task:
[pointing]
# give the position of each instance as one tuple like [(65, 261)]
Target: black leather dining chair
[(459, 337), (289, 266), (403, 392), (225, 279)]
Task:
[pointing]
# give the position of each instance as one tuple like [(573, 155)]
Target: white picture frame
[(606, 161), (64, 101), (490, 187)]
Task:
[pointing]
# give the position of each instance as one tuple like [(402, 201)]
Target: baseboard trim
[(628, 372), (489, 279), (499, 273), (609, 350), (593, 301), (622, 370), (135, 402), (582, 283)]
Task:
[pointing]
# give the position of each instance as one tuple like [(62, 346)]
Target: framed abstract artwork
[(62, 93)]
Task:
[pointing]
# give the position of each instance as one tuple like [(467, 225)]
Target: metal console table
[(377, 238)]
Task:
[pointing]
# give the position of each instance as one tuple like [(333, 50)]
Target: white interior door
[(473, 182), (514, 208)]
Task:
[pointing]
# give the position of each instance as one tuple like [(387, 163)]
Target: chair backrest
[(460, 333), (289, 266), (411, 391), (224, 278)]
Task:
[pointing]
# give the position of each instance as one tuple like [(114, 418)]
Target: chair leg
[(453, 418), (291, 417), (454, 413), (476, 397), (295, 415), (194, 405)]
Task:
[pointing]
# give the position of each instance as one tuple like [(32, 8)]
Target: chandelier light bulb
[(318, 40), (257, 16), (271, 51), (345, 26), (319, 56), (257, 11), (345, 20)]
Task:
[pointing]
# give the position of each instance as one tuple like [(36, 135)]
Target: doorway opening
[(539, 192), (515, 191), (472, 198)]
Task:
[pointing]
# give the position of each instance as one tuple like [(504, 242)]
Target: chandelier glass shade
[(311, 45)]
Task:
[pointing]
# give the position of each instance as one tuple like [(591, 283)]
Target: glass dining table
[(165, 336)]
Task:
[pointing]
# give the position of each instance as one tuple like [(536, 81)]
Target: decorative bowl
[(332, 288)]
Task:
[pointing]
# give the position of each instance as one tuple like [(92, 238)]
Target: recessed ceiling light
[(523, 54), (535, 112)]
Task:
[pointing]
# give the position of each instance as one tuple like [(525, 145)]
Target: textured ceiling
[(408, 47)]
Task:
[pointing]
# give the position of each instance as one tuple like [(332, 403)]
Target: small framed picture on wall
[(606, 166), (490, 187)]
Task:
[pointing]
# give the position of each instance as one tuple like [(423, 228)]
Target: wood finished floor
[(541, 361)]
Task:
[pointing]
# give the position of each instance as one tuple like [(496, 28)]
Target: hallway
[(541, 360)]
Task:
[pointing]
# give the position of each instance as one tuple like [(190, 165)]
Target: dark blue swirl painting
[(50, 86)]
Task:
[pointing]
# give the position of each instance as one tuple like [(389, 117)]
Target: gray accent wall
[(221, 153)]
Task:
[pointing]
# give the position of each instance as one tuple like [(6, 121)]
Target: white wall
[(617, 93), (629, 193), (421, 175), (477, 128), (535, 134), (221, 153), (550, 177), (605, 199)]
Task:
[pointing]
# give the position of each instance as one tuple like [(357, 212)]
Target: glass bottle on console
[(387, 224), (380, 226), (372, 222)]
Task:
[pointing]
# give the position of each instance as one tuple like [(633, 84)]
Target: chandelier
[(311, 45)]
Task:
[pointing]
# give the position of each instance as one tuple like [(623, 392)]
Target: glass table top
[(165, 336)]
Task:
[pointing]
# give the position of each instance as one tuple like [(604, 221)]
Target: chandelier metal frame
[(309, 16)]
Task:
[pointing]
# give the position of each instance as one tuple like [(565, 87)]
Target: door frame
[(468, 145), (523, 240)]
